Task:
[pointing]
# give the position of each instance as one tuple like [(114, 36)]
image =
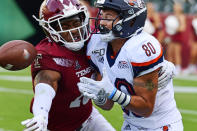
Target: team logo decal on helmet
[(53, 7), (58, 5), (135, 3), (100, 1)]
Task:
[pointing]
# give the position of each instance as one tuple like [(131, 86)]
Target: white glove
[(167, 72), (91, 88), (37, 123)]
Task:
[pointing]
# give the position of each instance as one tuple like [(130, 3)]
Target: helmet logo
[(131, 11), (100, 1), (135, 3), (132, 2), (58, 5), (118, 27), (54, 5)]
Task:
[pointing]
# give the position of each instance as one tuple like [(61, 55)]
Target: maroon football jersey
[(69, 108)]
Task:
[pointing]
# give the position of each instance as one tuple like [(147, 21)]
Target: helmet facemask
[(55, 28), (77, 41), (106, 34), (132, 19)]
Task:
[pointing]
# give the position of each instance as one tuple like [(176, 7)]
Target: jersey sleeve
[(43, 61), (90, 52), (145, 57)]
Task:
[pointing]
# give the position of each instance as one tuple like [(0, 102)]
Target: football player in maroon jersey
[(61, 60)]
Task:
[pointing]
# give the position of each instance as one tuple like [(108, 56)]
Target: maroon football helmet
[(55, 11)]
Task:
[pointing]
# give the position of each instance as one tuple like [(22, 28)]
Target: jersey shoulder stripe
[(144, 53), (148, 62), (141, 70)]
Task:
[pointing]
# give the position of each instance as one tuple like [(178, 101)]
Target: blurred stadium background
[(15, 87)]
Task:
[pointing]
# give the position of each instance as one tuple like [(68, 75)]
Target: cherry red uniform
[(177, 37), (69, 109), (155, 34)]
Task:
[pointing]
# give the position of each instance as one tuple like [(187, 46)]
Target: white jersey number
[(78, 100), (149, 49)]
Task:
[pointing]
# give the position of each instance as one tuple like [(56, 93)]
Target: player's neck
[(117, 44)]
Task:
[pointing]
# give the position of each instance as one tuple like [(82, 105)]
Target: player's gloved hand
[(101, 98), (37, 123), (92, 88), (167, 72)]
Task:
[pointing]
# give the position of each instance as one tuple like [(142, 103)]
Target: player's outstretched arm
[(46, 84)]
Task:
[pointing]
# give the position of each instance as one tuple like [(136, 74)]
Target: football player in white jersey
[(128, 62)]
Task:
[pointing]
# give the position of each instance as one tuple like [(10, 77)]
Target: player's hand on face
[(167, 72), (92, 88), (37, 123)]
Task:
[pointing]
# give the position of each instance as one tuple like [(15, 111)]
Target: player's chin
[(76, 39)]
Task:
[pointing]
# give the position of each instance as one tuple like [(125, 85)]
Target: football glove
[(100, 90), (37, 123), (92, 88), (167, 72)]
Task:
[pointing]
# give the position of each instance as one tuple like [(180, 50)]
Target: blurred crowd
[(189, 6), (174, 24)]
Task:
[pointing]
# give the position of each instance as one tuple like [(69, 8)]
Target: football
[(17, 55)]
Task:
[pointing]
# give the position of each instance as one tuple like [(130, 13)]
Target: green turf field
[(16, 93)]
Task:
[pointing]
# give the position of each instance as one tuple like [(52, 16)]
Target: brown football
[(17, 55)]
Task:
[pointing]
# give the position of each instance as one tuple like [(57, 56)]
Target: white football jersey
[(140, 55)]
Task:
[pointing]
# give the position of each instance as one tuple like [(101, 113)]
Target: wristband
[(121, 98), (113, 93)]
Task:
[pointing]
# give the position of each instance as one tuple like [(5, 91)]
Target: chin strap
[(41, 22), (107, 37)]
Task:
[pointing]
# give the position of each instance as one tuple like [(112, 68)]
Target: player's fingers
[(81, 87), (172, 68), (31, 123), (87, 88), (91, 96), (39, 129), (163, 76), (162, 70), (163, 80), (25, 121), (87, 80), (32, 128), (163, 83), (164, 67)]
